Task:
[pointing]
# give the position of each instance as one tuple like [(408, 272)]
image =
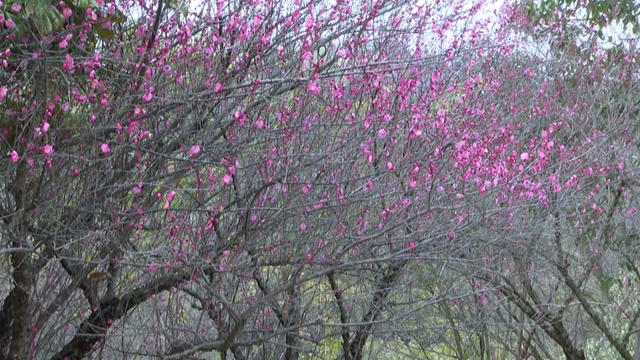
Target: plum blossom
[(42, 129), (524, 156), (313, 88), (226, 179), (390, 166), (148, 95), (167, 202), (195, 149), (14, 157), (47, 150), (105, 148)]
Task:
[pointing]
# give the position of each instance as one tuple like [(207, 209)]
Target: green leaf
[(48, 19), (43, 24), (85, 4), (184, 9), (103, 33), (117, 17), (606, 283)]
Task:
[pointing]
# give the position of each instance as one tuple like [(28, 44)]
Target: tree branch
[(94, 328)]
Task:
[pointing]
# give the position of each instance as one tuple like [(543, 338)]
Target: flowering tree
[(246, 180), (561, 245), (288, 180)]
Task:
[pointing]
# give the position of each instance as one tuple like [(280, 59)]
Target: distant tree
[(570, 19)]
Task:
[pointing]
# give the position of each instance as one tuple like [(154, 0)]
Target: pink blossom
[(47, 150), (170, 197), (147, 97), (309, 23), (9, 24), (3, 92), (45, 127), (63, 44), (15, 7), (382, 133), (105, 148), (195, 149), (217, 88), (226, 179), (313, 88), (66, 12), (14, 157), (524, 156)]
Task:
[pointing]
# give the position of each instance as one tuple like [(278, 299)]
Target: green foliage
[(598, 12), (46, 16), (85, 4)]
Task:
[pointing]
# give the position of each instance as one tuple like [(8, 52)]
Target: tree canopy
[(348, 180)]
